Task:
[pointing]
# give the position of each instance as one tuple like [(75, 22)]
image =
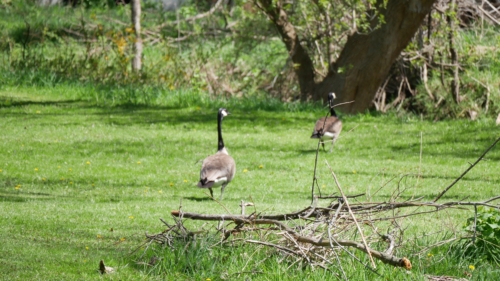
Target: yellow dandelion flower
[(59, 167), (354, 171), (93, 184), (430, 255), (44, 179), (122, 239), (185, 180), (261, 166), (62, 179), (171, 87), (86, 248), (245, 170), (99, 236), (171, 184), (38, 112), (70, 169), (471, 267), (160, 191), (36, 169), (131, 217), (18, 186), (129, 30), (88, 162), (138, 162), (0, 170), (70, 182), (208, 279)]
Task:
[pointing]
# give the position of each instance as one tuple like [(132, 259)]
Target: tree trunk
[(455, 82), (302, 63), (372, 55), (136, 22), (365, 60)]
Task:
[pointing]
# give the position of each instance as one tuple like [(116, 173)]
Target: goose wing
[(332, 125), (216, 170)]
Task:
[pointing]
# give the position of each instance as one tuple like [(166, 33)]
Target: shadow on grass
[(20, 103), (20, 196), (141, 115), (198, 199)]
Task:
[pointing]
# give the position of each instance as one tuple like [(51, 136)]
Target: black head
[(223, 112), (331, 97)]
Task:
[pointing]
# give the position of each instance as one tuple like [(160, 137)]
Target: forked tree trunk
[(136, 22), (365, 60)]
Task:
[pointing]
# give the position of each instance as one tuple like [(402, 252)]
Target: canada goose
[(327, 128), (218, 169)]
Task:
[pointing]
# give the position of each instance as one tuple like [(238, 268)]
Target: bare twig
[(466, 171), (389, 259), (352, 215)]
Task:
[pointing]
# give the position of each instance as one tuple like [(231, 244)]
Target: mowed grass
[(80, 183)]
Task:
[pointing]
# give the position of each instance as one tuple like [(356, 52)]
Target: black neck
[(219, 130), (332, 111)]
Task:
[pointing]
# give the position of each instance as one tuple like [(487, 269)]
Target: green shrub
[(484, 242)]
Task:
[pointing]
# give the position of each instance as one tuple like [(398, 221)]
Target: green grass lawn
[(80, 183)]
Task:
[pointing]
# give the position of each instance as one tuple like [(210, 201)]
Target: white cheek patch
[(224, 113), (329, 135), (220, 181)]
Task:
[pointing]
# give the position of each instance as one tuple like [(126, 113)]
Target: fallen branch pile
[(317, 235)]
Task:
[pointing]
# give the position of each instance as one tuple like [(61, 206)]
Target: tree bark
[(302, 63), (365, 60), (136, 22), (371, 55), (455, 82)]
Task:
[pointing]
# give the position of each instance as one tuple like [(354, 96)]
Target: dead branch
[(466, 171), (368, 250), (386, 258)]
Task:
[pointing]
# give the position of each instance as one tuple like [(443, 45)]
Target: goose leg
[(222, 191), (211, 192), (323, 145), (331, 148)]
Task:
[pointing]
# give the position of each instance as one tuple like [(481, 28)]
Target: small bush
[(484, 242)]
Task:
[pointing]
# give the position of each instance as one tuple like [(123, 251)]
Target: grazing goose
[(328, 127), (218, 169)]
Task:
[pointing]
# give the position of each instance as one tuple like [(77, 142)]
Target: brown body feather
[(327, 128), (333, 125), (215, 168)]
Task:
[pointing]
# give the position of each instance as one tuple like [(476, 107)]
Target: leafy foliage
[(234, 53), (485, 231), (421, 80)]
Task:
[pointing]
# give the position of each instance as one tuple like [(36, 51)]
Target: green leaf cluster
[(485, 230)]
